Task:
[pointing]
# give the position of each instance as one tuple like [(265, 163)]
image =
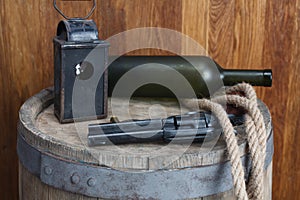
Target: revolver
[(187, 128)]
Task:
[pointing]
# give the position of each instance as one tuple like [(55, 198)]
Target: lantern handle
[(68, 18)]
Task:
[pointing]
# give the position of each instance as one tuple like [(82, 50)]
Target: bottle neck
[(253, 77)]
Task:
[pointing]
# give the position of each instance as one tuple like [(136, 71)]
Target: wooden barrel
[(56, 163)]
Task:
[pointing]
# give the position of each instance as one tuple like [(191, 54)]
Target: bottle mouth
[(268, 77)]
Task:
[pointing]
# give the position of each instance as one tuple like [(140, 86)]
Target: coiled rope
[(256, 136)]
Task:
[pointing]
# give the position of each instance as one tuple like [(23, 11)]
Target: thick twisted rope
[(257, 147), (232, 146), (256, 136)]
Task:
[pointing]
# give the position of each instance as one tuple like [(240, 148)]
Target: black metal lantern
[(80, 62)]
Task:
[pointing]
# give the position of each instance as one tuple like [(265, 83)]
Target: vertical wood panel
[(279, 50), (249, 30), (122, 15), (221, 31), (195, 19), (26, 182), (26, 58), (8, 107), (250, 36)]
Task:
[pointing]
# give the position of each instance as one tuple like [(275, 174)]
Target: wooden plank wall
[(237, 33)]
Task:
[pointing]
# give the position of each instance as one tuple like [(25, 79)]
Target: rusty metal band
[(96, 181)]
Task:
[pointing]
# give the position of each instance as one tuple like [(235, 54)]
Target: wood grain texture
[(31, 188), (122, 15), (237, 33), (195, 29), (41, 130), (221, 31), (281, 52)]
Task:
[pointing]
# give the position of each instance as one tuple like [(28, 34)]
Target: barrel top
[(41, 129)]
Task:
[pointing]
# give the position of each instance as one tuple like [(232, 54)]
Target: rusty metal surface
[(96, 181), (77, 30), (80, 76)]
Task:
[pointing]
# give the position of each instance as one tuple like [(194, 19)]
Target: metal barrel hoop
[(68, 18)]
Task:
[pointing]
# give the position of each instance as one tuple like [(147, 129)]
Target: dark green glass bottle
[(203, 74)]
